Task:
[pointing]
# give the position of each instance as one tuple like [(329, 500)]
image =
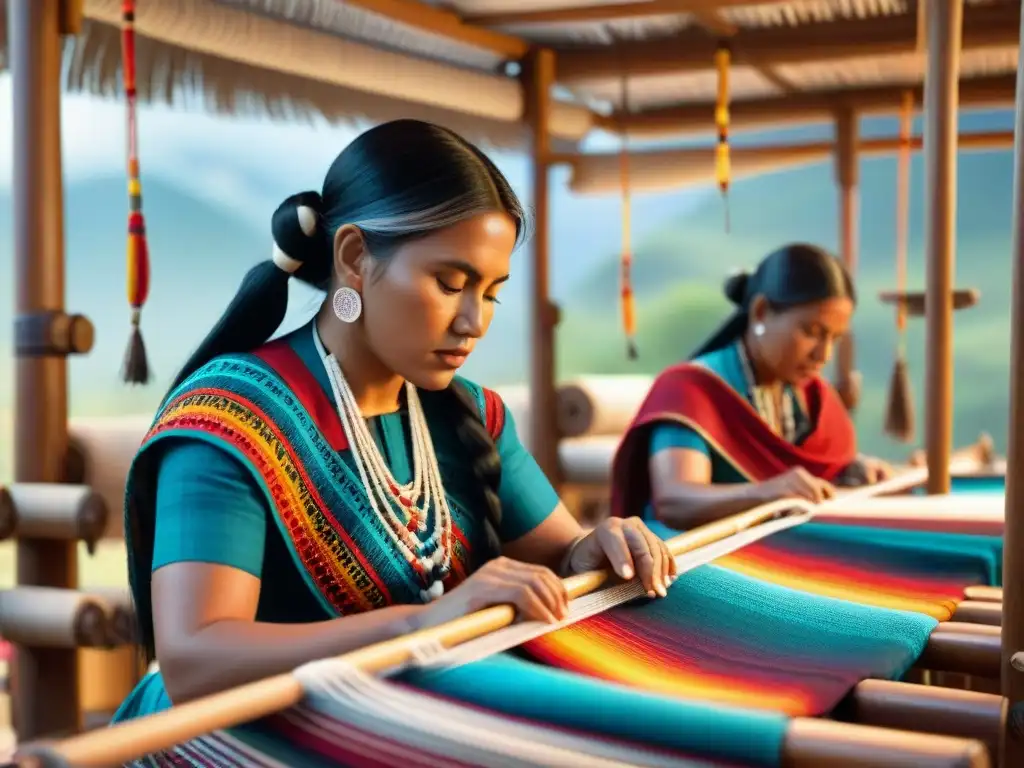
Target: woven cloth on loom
[(439, 717), (789, 624), (908, 570), (725, 637)]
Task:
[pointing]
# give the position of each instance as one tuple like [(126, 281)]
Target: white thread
[(447, 732)]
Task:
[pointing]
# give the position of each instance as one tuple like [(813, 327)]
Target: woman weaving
[(340, 486), (749, 419)]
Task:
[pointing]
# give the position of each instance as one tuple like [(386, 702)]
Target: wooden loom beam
[(44, 680), (538, 78), (944, 23), (1013, 537), (806, 107), (693, 50)]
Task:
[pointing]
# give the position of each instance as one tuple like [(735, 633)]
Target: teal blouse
[(210, 509), (726, 364)]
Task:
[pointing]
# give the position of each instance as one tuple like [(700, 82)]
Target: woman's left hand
[(875, 470), (631, 548)]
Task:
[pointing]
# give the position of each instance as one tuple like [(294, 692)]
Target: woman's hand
[(535, 591), (875, 470), (865, 470), (630, 548), (796, 483)]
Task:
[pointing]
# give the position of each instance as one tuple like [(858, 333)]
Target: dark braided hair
[(397, 182)]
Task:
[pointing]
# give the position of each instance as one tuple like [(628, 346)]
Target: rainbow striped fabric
[(790, 624)]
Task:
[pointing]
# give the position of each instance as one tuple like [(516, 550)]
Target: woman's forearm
[(229, 653), (687, 505)]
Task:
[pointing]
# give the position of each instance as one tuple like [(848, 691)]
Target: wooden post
[(847, 177), (1013, 532), (44, 681), (941, 106), (538, 80)]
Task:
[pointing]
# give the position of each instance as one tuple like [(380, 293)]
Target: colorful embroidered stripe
[(335, 563), (287, 364)]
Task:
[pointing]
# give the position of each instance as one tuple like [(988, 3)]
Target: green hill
[(679, 269)]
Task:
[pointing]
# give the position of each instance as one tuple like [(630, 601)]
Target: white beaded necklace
[(396, 506), (764, 403)]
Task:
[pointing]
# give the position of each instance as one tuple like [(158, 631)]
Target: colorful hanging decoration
[(626, 297), (899, 417), (136, 366), (723, 60)]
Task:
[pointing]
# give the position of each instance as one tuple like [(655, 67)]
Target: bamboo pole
[(1013, 542), (945, 21)]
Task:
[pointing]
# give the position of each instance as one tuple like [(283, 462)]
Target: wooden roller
[(121, 616), (979, 612), (46, 617), (987, 594), (58, 511), (948, 711), (969, 649), (8, 517)]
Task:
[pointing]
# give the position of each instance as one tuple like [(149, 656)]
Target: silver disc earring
[(759, 329), (348, 304)]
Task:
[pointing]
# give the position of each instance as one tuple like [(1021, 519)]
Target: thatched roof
[(378, 59)]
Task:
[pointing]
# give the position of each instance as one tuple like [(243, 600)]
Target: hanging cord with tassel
[(626, 296), (723, 60), (136, 366), (899, 418)]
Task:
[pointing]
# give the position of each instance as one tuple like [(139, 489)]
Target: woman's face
[(797, 343), (433, 300)]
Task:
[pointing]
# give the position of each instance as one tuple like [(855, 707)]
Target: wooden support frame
[(1013, 534), (805, 108), (847, 173), (944, 24), (538, 81), (44, 680)]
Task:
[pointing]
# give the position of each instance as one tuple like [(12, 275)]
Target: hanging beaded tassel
[(136, 366), (723, 59), (899, 417), (626, 297)]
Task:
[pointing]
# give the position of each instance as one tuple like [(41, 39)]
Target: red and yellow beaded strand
[(723, 60), (626, 258), (136, 366)]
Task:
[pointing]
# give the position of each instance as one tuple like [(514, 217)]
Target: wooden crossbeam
[(692, 50), (611, 12), (800, 108)]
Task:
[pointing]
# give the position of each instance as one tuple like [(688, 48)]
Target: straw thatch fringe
[(354, 23), (177, 77)]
